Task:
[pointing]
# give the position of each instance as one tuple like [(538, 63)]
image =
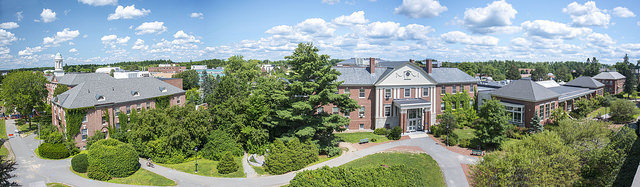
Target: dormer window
[(163, 89), (100, 98), (135, 93)]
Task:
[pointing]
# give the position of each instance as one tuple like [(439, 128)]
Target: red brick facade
[(613, 86)]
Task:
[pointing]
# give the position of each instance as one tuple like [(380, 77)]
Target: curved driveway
[(32, 170)]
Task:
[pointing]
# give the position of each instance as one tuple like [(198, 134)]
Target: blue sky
[(108, 31)]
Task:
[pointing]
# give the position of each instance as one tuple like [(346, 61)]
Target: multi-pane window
[(425, 92), (471, 88), (541, 114), (515, 114), (84, 119), (128, 110), (347, 91), (361, 93), (361, 111), (84, 134), (407, 92), (442, 106), (346, 114), (453, 89), (117, 111), (546, 111), (336, 110), (361, 125), (320, 110), (148, 105), (443, 90), (461, 88), (453, 105), (387, 93), (387, 110)]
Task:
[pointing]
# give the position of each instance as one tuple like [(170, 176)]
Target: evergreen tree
[(312, 84), (536, 125), (227, 164), (493, 124), (6, 167), (513, 73)]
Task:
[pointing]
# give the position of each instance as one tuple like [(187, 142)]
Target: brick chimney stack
[(429, 66), (372, 65)]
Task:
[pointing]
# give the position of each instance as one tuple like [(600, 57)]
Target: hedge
[(395, 133), (53, 151), (227, 164), (79, 163), (290, 157), (381, 131), (396, 175), (96, 173), (113, 157)]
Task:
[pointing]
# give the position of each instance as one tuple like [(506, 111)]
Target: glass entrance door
[(413, 120)]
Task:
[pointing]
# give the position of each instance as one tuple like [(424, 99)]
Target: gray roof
[(526, 90), (585, 82), (451, 75), (86, 94), (73, 79), (610, 75), (359, 75), (568, 92), (410, 101)]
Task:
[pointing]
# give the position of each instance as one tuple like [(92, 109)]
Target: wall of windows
[(515, 113)]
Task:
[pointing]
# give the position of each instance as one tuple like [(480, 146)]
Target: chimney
[(429, 66), (372, 65)]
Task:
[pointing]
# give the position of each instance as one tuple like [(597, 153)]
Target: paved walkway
[(33, 170)]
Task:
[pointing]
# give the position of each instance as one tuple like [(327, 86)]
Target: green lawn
[(323, 158), (465, 133), (140, 177), (259, 170), (432, 174), (3, 130), (207, 168), (355, 137), (599, 112), (57, 185)]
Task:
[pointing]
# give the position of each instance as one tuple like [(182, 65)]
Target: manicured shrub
[(96, 137), (115, 158), (53, 151), (96, 173), (395, 175), (227, 164), (436, 131), (395, 133), (374, 140), (219, 144), (79, 163), (290, 157), (334, 151), (453, 139), (381, 131)]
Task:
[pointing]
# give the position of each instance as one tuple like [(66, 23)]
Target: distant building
[(196, 67), (168, 68), (613, 81), (217, 72), (107, 70), (130, 74), (268, 68)]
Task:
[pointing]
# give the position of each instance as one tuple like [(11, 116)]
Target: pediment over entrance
[(407, 74)]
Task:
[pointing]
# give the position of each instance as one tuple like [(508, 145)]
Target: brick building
[(103, 99), (168, 68), (613, 81), (397, 93)]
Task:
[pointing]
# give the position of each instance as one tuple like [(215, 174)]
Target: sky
[(109, 31)]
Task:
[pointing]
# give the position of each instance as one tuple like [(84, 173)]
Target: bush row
[(113, 158), (53, 151), (396, 175), (290, 157)]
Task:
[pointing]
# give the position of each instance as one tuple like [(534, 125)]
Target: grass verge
[(207, 168), (140, 177), (260, 170), (465, 133), (3, 129), (57, 185), (355, 137), (421, 161)]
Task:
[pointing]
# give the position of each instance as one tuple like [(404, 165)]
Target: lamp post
[(196, 160)]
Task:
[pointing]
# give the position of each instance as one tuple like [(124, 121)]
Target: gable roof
[(585, 82), (526, 90), (610, 75), (359, 76), (86, 94), (451, 75), (77, 78)]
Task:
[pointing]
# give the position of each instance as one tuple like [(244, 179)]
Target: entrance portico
[(414, 114)]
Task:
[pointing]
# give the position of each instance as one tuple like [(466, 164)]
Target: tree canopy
[(25, 91), (190, 79)]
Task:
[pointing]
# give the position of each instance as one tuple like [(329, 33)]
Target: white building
[(130, 74), (195, 67), (108, 69)]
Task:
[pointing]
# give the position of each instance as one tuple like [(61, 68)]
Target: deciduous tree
[(25, 91), (492, 124)]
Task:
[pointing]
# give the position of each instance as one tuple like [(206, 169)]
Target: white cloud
[(112, 40), (99, 2), (623, 12), (9, 25), (491, 18), (6, 37), (460, 37), (414, 32), (551, 29), (354, 19), (128, 12), (30, 51), (598, 39), (181, 37), (316, 26), (382, 29), (420, 8), (331, 2), (65, 35), (73, 50), (150, 28), (19, 16), (4, 50), (280, 30), (139, 45), (47, 15), (587, 14), (197, 15)]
